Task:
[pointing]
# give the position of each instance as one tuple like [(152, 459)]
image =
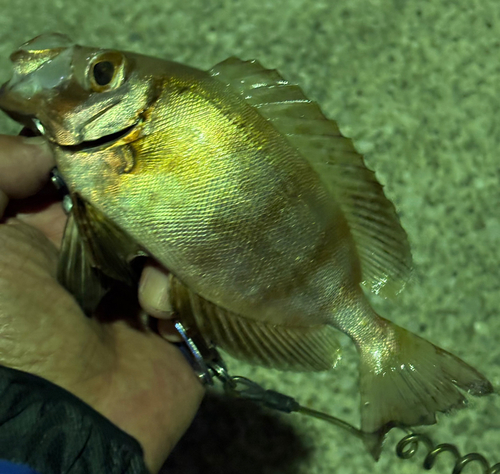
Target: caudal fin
[(405, 380)]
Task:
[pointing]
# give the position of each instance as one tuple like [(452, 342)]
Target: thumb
[(25, 164)]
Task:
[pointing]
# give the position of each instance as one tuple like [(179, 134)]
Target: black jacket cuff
[(54, 432)]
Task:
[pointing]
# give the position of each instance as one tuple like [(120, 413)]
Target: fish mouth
[(98, 143), (102, 142)]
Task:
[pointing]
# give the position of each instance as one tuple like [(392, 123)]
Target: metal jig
[(208, 365)]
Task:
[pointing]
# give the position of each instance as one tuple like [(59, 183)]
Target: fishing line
[(209, 365)]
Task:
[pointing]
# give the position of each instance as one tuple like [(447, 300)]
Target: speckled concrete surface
[(415, 84)]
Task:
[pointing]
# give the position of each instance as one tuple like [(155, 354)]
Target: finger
[(51, 221), (25, 165), (154, 291)]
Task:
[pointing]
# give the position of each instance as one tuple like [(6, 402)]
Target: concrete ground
[(415, 84)]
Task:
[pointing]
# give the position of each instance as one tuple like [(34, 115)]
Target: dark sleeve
[(49, 430), (7, 467)]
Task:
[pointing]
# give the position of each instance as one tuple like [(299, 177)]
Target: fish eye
[(106, 71), (103, 72)]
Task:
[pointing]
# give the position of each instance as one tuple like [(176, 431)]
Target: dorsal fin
[(381, 242), (292, 348)]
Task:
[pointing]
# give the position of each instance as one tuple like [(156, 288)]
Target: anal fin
[(281, 347)]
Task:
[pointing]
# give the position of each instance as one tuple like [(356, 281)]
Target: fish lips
[(99, 143), (104, 141), (33, 127)]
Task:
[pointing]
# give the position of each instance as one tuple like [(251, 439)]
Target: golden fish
[(264, 214)]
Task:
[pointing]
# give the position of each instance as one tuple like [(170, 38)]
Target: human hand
[(133, 377)]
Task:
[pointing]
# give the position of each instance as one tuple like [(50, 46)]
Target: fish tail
[(405, 380)]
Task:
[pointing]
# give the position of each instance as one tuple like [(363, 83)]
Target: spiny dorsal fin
[(281, 347), (380, 240)]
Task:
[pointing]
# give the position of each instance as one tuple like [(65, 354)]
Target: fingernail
[(154, 292)]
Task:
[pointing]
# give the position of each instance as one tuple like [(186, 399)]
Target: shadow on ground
[(231, 436)]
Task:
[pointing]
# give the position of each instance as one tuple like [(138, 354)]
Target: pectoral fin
[(94, 252), (76, 271)]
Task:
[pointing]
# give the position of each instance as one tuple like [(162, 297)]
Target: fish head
[(73, 94), (91, 104)]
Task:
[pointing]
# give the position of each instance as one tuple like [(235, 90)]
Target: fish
[(271, 226)]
